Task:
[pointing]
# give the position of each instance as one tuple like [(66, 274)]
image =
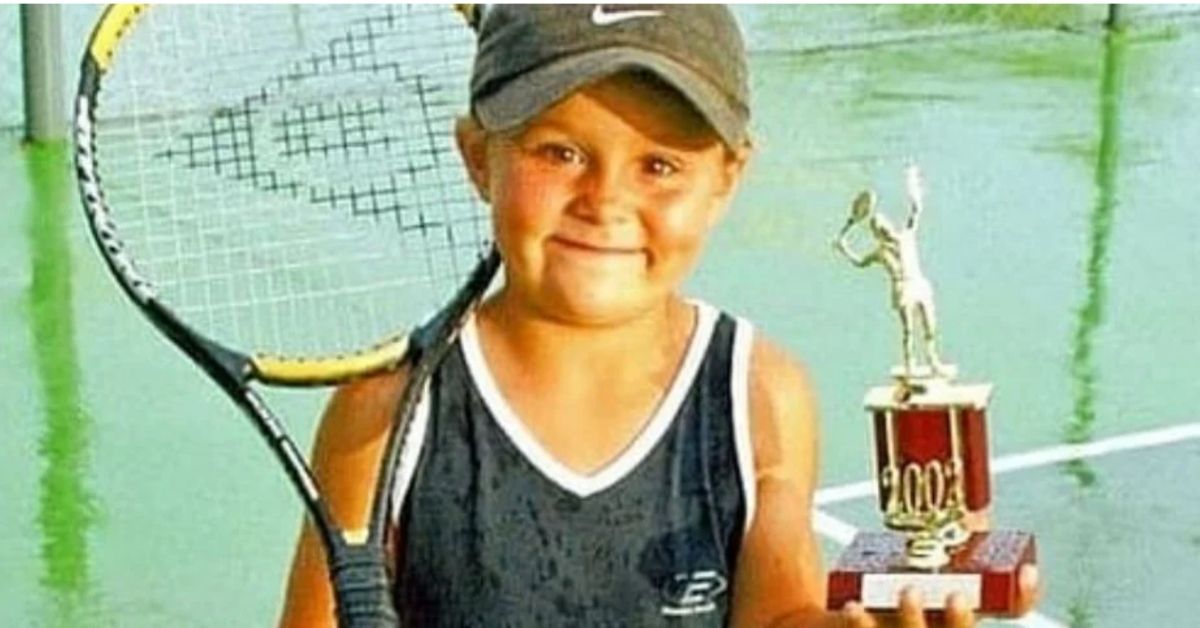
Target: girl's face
[(602, 203)]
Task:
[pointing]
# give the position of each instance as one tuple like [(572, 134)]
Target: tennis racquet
[(276, 189)]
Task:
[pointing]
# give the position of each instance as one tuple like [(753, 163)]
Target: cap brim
[(527, 95)]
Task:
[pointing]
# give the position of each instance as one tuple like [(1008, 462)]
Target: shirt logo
[(603, 17), (692, 593)]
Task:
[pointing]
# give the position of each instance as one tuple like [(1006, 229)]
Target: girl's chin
[(586, 297)]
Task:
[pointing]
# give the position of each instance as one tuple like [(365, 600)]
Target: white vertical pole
[(41, 59)]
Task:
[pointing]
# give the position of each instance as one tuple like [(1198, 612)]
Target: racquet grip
[(361, 588)]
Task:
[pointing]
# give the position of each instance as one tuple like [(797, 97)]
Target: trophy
[(931, 454)]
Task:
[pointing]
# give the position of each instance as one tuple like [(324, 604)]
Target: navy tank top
[(496, 532)]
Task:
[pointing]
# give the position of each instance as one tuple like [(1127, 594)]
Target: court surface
[(1061, 235)]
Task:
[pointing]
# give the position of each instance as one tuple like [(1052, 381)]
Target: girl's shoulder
[(782, 408)]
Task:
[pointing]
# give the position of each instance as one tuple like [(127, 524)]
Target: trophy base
[(873, 571)]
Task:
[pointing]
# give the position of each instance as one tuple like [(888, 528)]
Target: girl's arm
[(349, 444), (779, 579)]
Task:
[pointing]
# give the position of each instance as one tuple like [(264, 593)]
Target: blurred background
[(1058, 147)]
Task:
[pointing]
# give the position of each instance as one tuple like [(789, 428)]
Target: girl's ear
[(731, 174), (472, 145), (735, 163)]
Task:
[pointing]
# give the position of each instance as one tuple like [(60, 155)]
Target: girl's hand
[(957, 614), (911, 614), (1029, 590)]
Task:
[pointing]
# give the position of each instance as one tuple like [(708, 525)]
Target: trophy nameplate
[(931, 457)]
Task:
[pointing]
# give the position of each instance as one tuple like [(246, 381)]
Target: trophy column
[(931, 463)]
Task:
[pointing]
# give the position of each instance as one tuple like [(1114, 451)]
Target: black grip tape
[(361, 588)]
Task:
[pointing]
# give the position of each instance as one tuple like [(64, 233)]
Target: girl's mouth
[(592, 247)]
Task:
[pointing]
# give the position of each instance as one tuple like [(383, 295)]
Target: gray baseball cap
[(531, 56)]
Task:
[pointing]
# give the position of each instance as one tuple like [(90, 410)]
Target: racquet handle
[(362, 590)]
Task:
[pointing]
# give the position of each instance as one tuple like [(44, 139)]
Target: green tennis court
[(1061, 234)]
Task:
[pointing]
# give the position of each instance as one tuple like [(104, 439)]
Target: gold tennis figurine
[(912, 294)]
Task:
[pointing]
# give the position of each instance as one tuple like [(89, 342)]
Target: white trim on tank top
[(407, 466), (739, 389), (586, 484)]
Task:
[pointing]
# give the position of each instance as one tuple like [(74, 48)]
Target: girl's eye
[(561, 153), (661, 167)]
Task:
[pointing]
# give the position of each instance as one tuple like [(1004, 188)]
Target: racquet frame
[(356, 559)]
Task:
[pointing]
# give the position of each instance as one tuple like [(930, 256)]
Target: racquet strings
[(285, 176)]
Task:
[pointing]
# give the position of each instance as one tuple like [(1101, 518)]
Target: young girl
[(598, 450)]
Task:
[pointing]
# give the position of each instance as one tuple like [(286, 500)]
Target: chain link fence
[(77, 21), (12, 114), (770, 29)]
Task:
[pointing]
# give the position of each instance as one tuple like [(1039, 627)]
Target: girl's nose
[(606, 196)]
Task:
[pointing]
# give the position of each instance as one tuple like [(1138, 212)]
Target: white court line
[(1062, 453), (842, 532), (844, 493), (830, 526), (1039, 458)]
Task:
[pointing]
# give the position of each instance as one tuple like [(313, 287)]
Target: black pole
[(1113, 21)]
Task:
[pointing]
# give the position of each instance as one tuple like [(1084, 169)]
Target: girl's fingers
[(1028, 589), (912, 609), (958, 612), (855, 616)]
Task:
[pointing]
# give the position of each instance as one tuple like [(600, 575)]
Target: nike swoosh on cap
[(603, 17)]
